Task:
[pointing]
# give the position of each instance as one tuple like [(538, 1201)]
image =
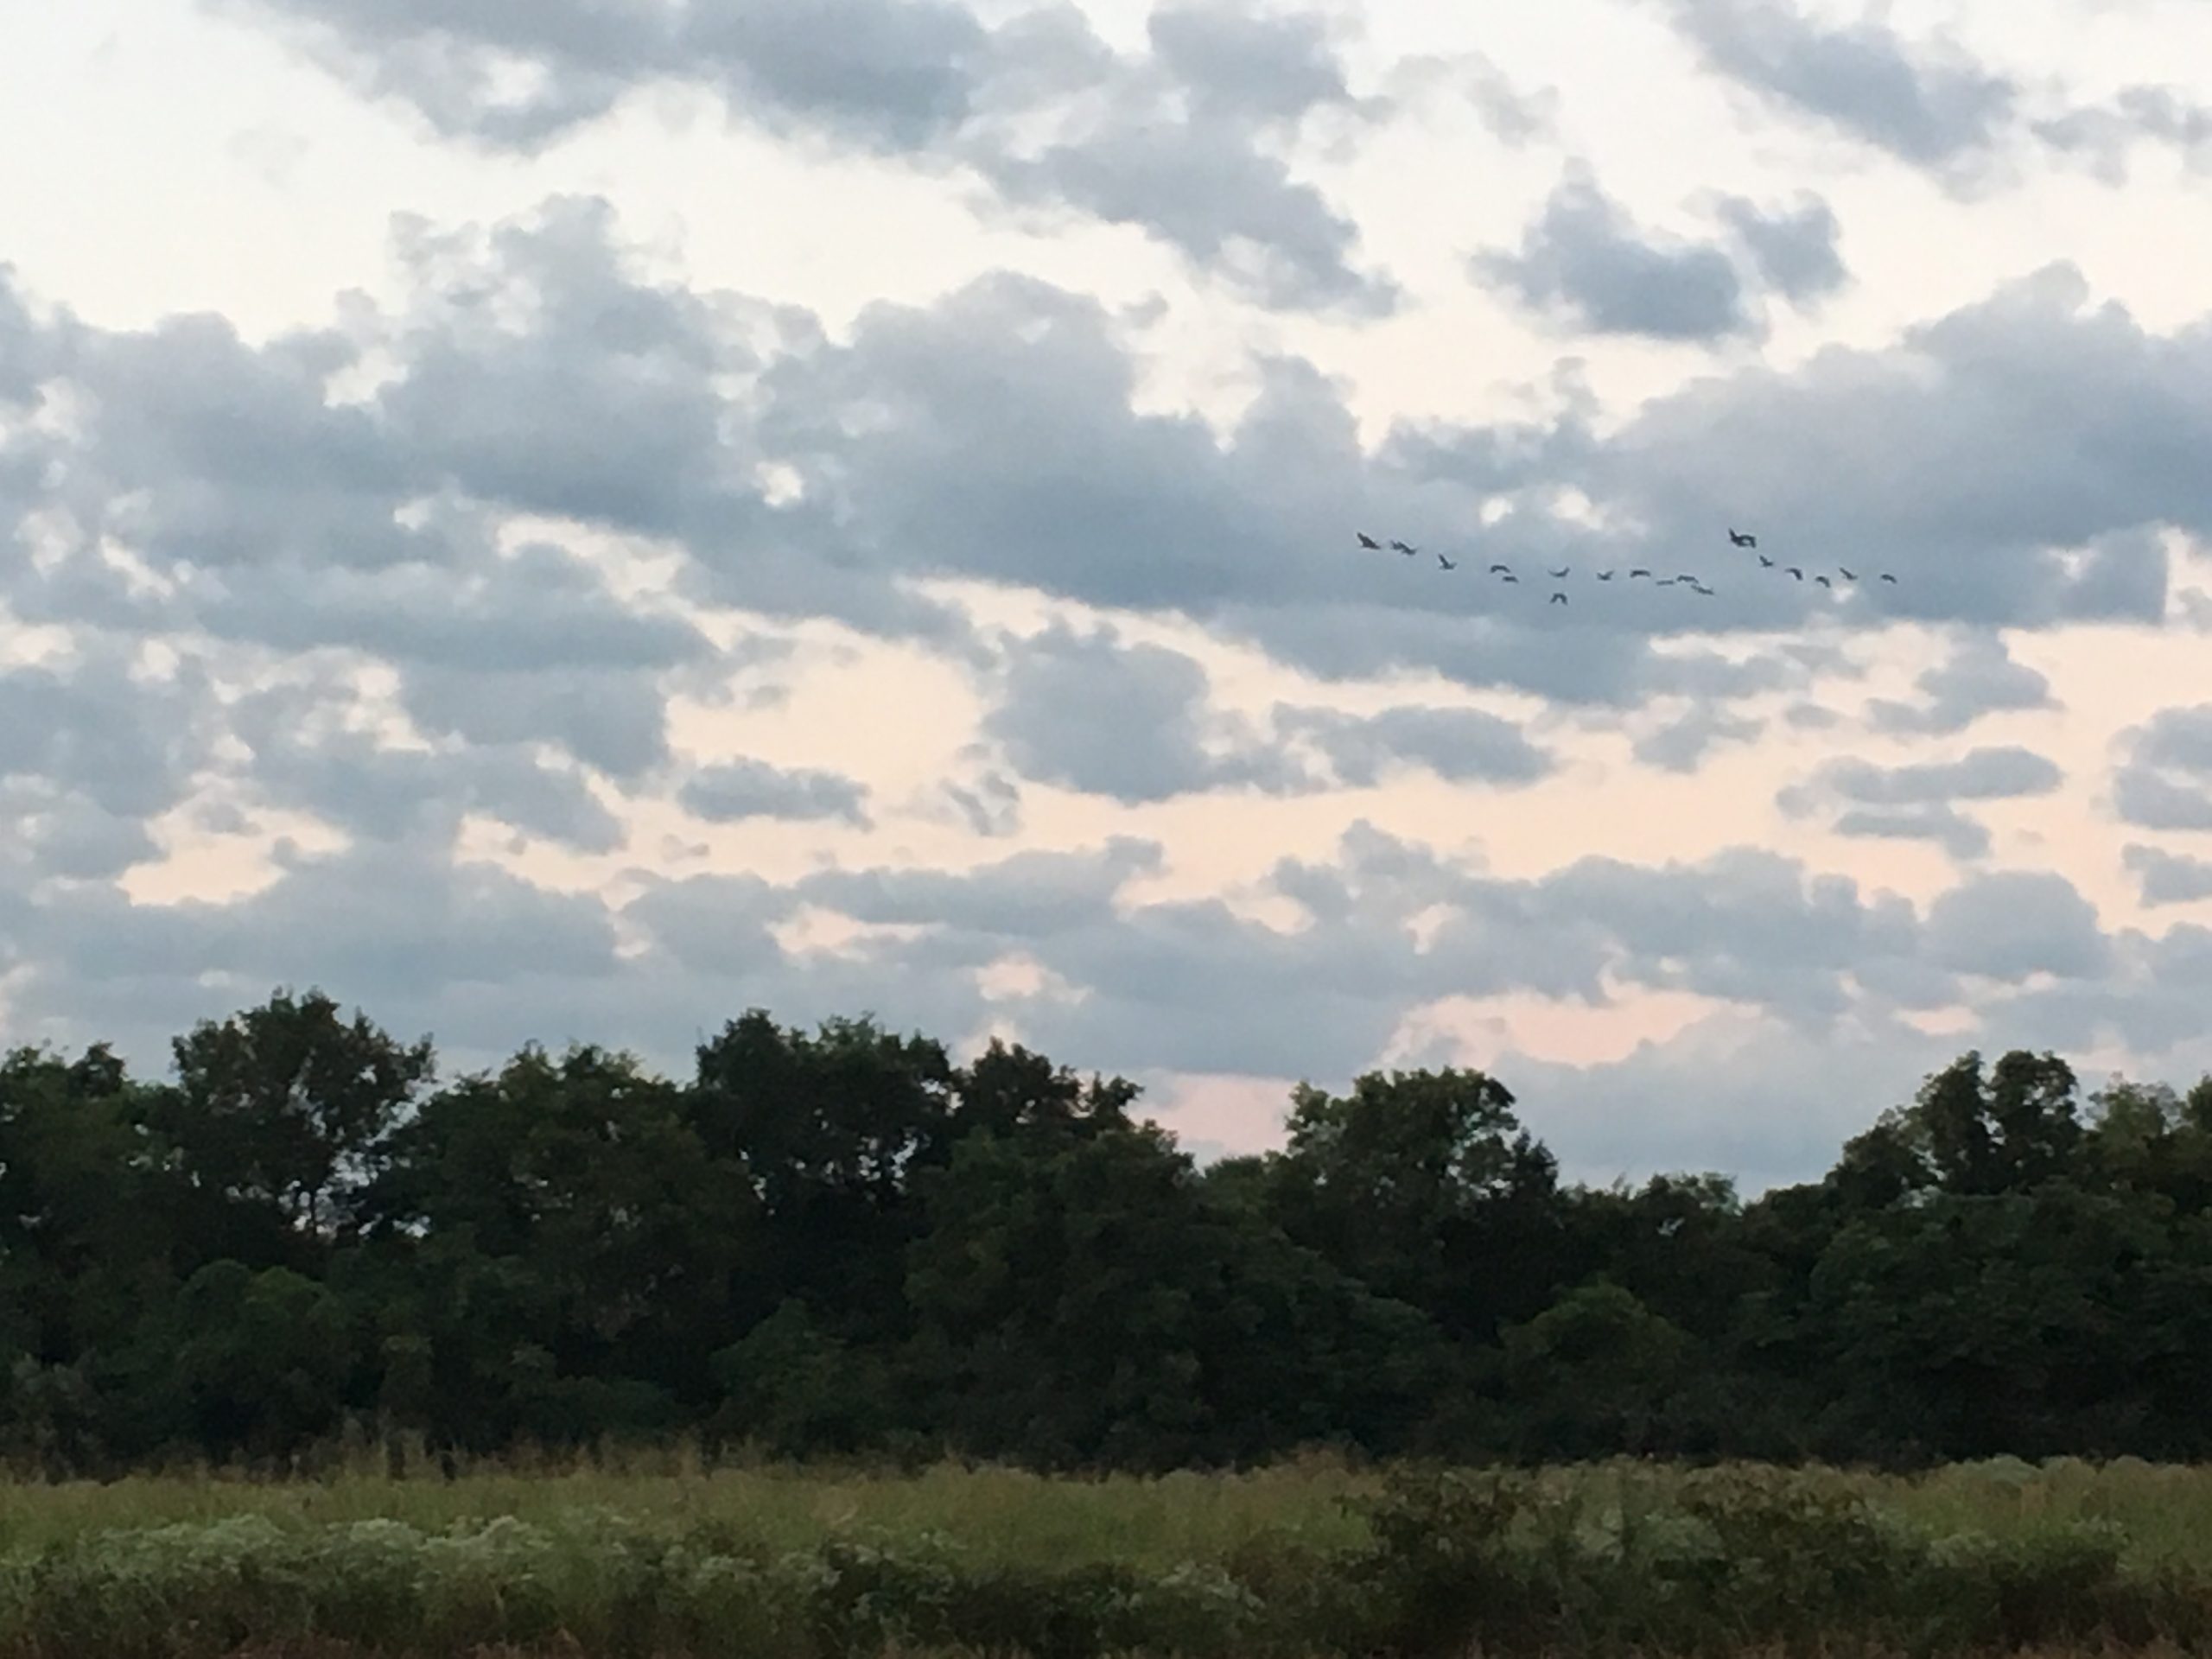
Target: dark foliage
[(843, 1242)]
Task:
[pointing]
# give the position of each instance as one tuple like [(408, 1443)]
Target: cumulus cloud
[(1794, 248), (735, 789), (2166, 878), (1928, 104), (1585, 260), (2015, 924), (1181, 141), (1458, 745), (1916, 801), (1129, 721), (1979, 678), (2164, 777), (1682, 744), (1932, 105)]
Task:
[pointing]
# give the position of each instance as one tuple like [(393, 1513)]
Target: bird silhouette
[(1633, 575), (1366, 540), (1558, 598), (1848, 575), (1446, 562), (1667, 582), (1686, 577), (1887, 576), (1604, 575), (1406, 547), (1509, 576), (1559, 573), (1824, 582), (1501, 569), (1765, 563), (1795, 572), (1742, 540)]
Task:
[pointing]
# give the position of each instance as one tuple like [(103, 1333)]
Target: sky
[(567, 522)]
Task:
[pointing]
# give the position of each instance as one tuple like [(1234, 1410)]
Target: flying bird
[(1366, 540), (1501, 569), (1406, 547), (1559, 573), (1765, 563), (1558, 598), (1446, 562), (1795, 572), (1848, 575), (1604, 575), (1887, 576), (1634, 574), (1509, 576), (1742, 540), (1824, 582), (1667, 581)]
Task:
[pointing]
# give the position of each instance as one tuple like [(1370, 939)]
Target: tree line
[(840, 1242)]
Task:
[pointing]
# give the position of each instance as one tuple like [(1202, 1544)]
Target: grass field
[(658, 1556)]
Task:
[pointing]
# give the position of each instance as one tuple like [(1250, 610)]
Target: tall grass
[(665, 1557)]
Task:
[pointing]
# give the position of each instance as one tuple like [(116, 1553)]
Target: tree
[(1424, 1187), (286, 1106)]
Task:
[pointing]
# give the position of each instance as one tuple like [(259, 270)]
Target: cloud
[(1458, 745), (1915, 802), (1178, 141), (92, 727), (1932, 106), (2167, 878), (2012, 925), (1984, 774), (2164, 778), (1682, 745), (1959, 836), (1979, 678), (1586, 261), (1128, 720), (1929, 104), (1794, 248), (308, 755), (2106, 135), (735, 789)]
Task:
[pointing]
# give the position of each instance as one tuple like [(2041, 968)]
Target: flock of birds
[(1737, 537)]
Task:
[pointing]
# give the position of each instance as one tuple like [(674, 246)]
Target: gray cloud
[(2164, 777), (1682, 744), (90, 727), (1177, 140), (1794, 248), (1979, 678), (2012, 924), (2106, 135), (1458, 745), (2167, 878), (1916, 801), (995, 435), (1087, 712), (1932, 106), (736, 790), (1958, 835), (307, 757), (1987, 774), (1586, 261)]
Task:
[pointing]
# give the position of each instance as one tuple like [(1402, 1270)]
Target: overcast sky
[(569, 520)]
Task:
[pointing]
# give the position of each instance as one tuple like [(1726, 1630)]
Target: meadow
[(659, 1555)]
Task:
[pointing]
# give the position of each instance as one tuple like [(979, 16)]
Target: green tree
[(287, 1105)]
